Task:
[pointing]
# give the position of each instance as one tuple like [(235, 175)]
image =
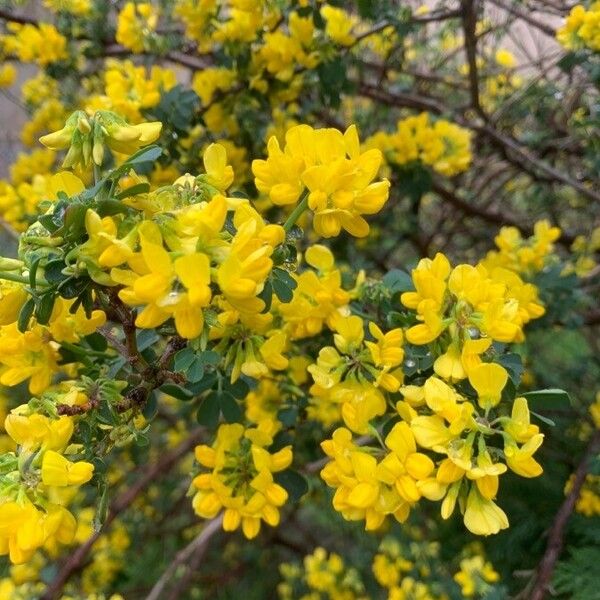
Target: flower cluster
[(322, 575), (37, 481), (476, 575), (136, 22), (468, 308), (441, 145), (240, 479), (588, 501), (41, 44), (523, 256), (356, 373), (581, 28), (335, 177)]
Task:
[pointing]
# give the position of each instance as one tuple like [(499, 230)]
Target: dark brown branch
[(76, 561), (556, 535), (511, 149), (469, 24)]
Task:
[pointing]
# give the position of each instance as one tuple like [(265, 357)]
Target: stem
[(554, 548), (85, 351), (291, 220), (20, 278), (97, 174)]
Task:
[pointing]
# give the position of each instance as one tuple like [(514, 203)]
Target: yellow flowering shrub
[(286, 289)]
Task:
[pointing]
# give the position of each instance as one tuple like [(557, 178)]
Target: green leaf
[(151, 407), (33, 272), (513, 363), (209, 358), (366, 9), (138, 188), (25, 315), (73, 287), (543, 419), (74, 221), (148, 154), (239, 389), (183, 359), (397, 280), (230, 408), (176, 391), (53, 271), (206, 383), (146, 338), (109, 207), (96, 341), (288, 416), (283, 284), (195, 372), (295, 484), (267, 296), (208, 413), (550, 398), (44, 308)]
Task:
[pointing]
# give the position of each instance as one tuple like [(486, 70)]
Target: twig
[(21, 19), (497, 218), (513, 9), (197, 546), (76, 560), (555, 538), (511, 149), (469, 23)]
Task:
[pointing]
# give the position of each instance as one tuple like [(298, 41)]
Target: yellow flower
[(59, 472), (152, 285), (8, 74), (404, 466), (520, 460), (30, 355), (489, 380), (36, 431), (135, 23), (42, 43), (338, 25), (218, 173), (240, 479), (482, 516)]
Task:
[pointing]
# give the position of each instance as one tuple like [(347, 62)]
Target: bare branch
[(197, 547), (556, 535)]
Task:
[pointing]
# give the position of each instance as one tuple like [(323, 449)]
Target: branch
[(511, 149), (514, 10), (197, 546), (12, 18), (469, 23), (497, 218), (523, 155), (555, 538), (76, 561)]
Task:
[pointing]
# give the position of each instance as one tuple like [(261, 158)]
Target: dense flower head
[(329, 167), (581, 28), (136, 21), (41, 44), (240, 480), (192, 339), (441, 145), (30, 516)]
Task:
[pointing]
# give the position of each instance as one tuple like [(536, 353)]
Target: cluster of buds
[(86, 137)]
